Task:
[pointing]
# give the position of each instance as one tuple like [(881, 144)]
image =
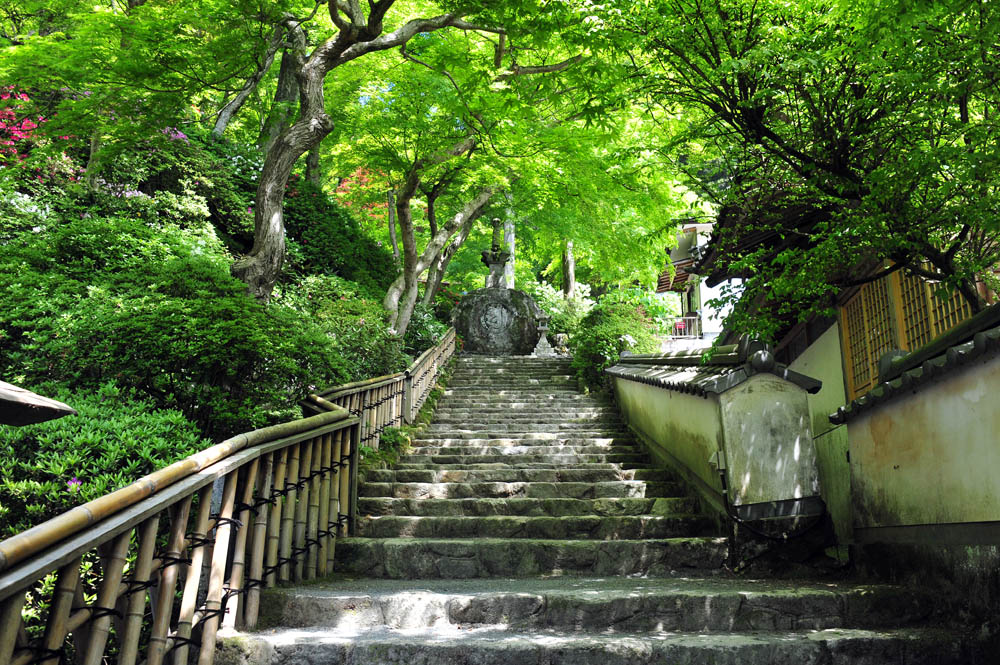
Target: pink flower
[(74, 484)]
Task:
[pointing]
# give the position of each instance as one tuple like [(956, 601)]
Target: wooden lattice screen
[(899, 312)]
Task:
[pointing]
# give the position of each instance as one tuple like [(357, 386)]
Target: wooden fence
[(99, 583)]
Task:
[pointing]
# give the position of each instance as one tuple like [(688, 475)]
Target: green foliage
[(424, 330), (115, 438), (611, 327), (155, 309), (661, 308), (393, 443), (565, 314), (330, 240), (355, 326)]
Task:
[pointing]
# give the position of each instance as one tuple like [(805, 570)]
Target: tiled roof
[(687, 372), (982, 345)]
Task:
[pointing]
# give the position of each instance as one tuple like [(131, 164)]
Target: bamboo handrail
[(282, 496), (18, 547)]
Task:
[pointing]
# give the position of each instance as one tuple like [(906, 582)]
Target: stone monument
[(496, 320)]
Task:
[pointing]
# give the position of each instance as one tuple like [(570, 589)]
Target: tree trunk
[(509, 240), (568, 270), (236, 103), (312, 166), (286, 97), (390, 200), (398, 298), (436, 273), (261, 267)]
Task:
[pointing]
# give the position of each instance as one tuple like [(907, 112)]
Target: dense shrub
[(661, 308), (330, 241), (565, 314), (162, 316), (114, 439), (424, 331), (355, 325), (611, 327)]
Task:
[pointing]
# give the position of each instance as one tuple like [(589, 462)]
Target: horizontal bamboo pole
[(346, 388), (25, 544)]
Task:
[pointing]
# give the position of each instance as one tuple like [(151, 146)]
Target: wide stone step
[(528, 507), (513, 463), (513, 417), (622, 488), (561, 458), (580, 527), (518, 393), (488, 646), (534, 439), (606, 605), (579, 429), (528, 451), (509, 475), (486, 435), (522, 412), (414, 558)]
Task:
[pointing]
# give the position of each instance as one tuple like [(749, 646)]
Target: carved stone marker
[(498, 322)]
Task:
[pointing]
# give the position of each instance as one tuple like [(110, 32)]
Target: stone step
[(568, 490), (520, 440), (527, 451), (578, 527), (522, 412), (555, 475), (528, 507), (415, 558), (567, 459), (514, 464), (486, 435), (516, 393), (515, 417), (488, 646), (579, 429), (606, 605)]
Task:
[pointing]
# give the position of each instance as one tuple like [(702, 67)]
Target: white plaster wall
[(932, 456)]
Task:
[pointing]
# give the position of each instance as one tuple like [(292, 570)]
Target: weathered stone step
[(555, 458), (488, 646), (525, 428), (525, 393), (527, 451), (514, 464), (554, 475), (415, 558), (579, 527), (596, 605), (515, 417), (569, 490), (523, 412), (486, 435), (528, 507), (532, 440)]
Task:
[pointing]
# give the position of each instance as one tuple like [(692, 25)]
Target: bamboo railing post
[(252, 606), (62, 603), (168, 581), (288, 516), (352, 493), (408, 412), (217, 573), (333, 521), (232, 603), (345, 481), (312, 517), (324, 506), (10, 625), (129, 650), (189, 597), (107, 596), (274, 521), (302, 512)]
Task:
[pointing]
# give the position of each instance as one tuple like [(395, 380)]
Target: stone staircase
[(526, 526)]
